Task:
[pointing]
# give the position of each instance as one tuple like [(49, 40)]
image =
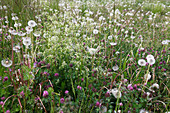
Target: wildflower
[(45, 94), (142, 62), (27, 42), (79, 87), (6, 63), (98, 104), (21, 33), (104, 109), (2, 98), (147, 76), (16, 48), (28, 29), (8, 111), (66, 92), (92, 51), (143, 111), (62, 100), (116, 93), (165, 42), (113, 44), (154, 86), (22, 93), (149, 95), (1, 103), (110, 37), (115, 68), (56, 74), (32, 23), (95, 31), (71, 65)]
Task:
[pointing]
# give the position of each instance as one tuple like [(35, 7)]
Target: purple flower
[(45, 94), (5, 79), (56, 74), (62, 100), (79, 87), (98, 104), (1, 103), (71, 65), (121, 104), (2, 98), (8, 111), (66, 92), (22, 93), (82, 79)]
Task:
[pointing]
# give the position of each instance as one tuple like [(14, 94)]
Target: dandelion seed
[(115, 68), (95, 31), (6, 63), (16, 48), (116, 93), (32, 23), (142, 62)]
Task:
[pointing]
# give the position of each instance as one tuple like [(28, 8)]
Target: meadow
[(84, 56)]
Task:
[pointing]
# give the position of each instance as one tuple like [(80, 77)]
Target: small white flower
[(32, 23), (142, 62), (95, 31), (147, 76), (6, 63), (115, 68)]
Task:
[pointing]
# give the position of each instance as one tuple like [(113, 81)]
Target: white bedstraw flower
[(142, 62), (95, 31), (116, 93), (115, 68), (6, 63), (147, 76), (32, 23)]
